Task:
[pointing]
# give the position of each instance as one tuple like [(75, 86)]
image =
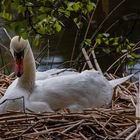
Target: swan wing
[(86, 89), (54, 72)]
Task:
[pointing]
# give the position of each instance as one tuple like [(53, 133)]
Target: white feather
[(116, 82)]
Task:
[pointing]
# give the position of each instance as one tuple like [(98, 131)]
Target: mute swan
[(75, 91)]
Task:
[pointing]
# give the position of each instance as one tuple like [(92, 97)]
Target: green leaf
[(118, 49), (98, 41), (42, 16), (41, 29), (6, 15), (127, 40), (61, 10), (107, 42), (90, 7), (24, 35), (79, 25), (107, 50), (115, 44), (84, 11), (15, 4), (70, 8), (129, 47), (29, 4), (87, 42), (132, 44), (99, 36), (129, 56), (21, 9), (36, 41), (57, 26), (111, 39), (67, 14), (75, 20), (41, 9), (116, 39), (135, 55), (30, 9), (131, 63), (76, 6)]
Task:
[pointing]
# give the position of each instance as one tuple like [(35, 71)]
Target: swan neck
[(27, 80)]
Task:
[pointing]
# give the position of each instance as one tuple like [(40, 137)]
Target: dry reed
[(115, 122)]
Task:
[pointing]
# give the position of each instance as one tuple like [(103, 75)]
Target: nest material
[(116, 122)]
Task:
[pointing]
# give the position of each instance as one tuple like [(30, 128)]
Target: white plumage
[(54, 72), (53, 92)]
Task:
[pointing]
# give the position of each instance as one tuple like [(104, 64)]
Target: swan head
[(19, 48)]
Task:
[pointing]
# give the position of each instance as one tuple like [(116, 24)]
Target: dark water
[(60, 50)]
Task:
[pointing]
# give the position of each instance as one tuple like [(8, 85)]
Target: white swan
[(75, 91)]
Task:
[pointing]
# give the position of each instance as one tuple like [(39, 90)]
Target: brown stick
[(87, 58), (137, 130), (72, 127)]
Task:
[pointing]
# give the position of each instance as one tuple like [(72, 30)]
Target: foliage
[(43, 17), (118, 45)]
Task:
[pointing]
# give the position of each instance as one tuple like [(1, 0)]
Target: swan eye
[(18, 55)]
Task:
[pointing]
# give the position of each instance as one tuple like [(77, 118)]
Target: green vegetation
[(44, 18)]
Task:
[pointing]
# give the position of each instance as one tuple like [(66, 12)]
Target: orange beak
[(19, 67)]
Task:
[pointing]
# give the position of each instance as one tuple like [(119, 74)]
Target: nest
[(116, 122)]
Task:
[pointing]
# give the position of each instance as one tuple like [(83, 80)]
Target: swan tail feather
[(120, 80)]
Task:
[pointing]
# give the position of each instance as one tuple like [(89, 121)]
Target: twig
[(73, 126), (93, 54), (84, 66), (96, 62), (74, 47), (82, 135), (126, 131), (1, 45), (92, 15), (114, 23), (116, 122), (123, 60), (124, 55), (107, 121), (87, 58), (137, 130), (108, 16), (7, 33)]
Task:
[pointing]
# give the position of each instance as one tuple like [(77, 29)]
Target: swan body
[(72, 90), (54, 72)]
